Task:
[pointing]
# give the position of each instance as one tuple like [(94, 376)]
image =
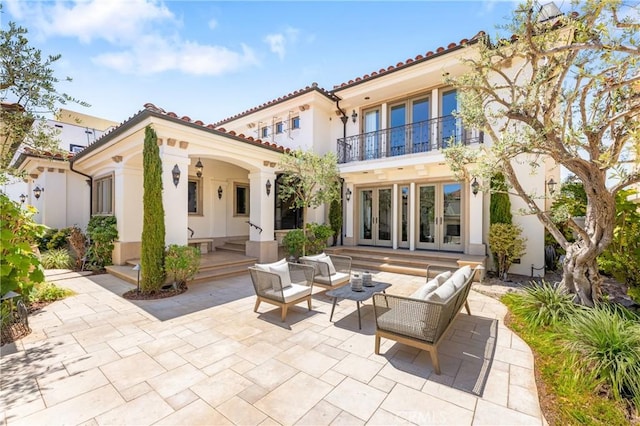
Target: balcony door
[(371, 140), (439, 217), (375, 218), (397, 130)]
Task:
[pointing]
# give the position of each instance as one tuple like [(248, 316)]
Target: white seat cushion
[(425, 289), (291, 293), (314, 257), (285, 277), (265, 266), (335, 279)]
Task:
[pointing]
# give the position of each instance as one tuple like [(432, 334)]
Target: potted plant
[(181, 262)]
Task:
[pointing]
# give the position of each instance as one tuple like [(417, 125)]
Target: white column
[(476, 221), (435, 113), (174, 198), (412, 216), (394, 216), (261, 213)]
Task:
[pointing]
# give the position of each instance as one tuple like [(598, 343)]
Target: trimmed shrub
[(59, 240), (544, 304), (335, 220), (506, 244), (315, 242), (56, 259), (605, 341), (499, 204), (102, 232), (182, 262)]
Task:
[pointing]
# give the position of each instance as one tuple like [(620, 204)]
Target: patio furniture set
[(420, 320)]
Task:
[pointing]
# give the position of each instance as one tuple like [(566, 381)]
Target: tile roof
[(314, 87), (27, 152), (152, 110), (410, 61)]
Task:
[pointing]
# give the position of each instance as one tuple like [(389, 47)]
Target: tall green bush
[(298, 243), (182, 262), (102, 232), (153, 229), (499, 204), (335, 220)]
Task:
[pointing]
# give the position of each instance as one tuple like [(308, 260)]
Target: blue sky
[(210, 60)]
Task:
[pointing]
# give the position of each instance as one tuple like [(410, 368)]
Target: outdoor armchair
[(331, 270), (282, 284)]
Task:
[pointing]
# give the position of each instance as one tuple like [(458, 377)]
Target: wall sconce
[(475, 187), (219, 192), (37, 192), (175, 173), (348, 194), (551, 186), (199, 168), (268, 186), (354, 116), (23, 198)]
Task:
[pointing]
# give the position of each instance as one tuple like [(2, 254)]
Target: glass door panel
[(427, 232), (404, 217), (420, 129), (384, 219), (451, 201), (371, 138), (366, 216), (449, 122), (397, 130)]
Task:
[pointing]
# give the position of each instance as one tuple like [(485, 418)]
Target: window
[(295, 123), (194, 196), (241, 202), (75, 148), (264, 132), (103, 199), (279, 127)]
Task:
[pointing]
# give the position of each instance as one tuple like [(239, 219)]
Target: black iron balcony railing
[(422, 136)]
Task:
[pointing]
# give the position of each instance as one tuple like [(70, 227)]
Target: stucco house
[(388, 128)]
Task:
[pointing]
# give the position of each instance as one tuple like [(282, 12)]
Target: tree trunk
[(580, 274)]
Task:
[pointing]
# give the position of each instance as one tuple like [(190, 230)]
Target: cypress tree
[(153, 231), (500, 205)]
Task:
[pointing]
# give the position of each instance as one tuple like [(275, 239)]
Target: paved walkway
[(205, 357)]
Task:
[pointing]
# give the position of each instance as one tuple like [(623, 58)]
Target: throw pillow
[(265, 266), (425, 289), (326, 259), (442, 293), (442, 277), (285, 277)]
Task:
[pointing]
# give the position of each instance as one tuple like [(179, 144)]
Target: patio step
[(238, 246), (212, 266), (403, 261)]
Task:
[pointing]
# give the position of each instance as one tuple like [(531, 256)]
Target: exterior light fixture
[(551, 186), (354, 116), (475, 187), (268, 186), (23, 198), (219, 192), (199, 168), (37, 192), (348, 194), (175, 173), (137, 269)]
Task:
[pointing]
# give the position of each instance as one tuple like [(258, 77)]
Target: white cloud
[(143, 35), (278, 42), (153, 55), (212, 23)]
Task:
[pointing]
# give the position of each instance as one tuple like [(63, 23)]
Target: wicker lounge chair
[(282, 284), (332, 270), (423, 318)]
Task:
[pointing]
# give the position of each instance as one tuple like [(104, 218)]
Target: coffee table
[(345, 292)]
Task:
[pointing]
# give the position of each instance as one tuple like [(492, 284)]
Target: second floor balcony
[(418, 137)]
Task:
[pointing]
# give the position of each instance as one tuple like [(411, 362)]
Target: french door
[(439, 216), (375, 221)]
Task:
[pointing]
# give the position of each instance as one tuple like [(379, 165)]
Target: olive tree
[(309, 180), (564, 88)]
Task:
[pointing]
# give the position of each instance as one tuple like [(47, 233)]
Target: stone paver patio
[(205, 357)]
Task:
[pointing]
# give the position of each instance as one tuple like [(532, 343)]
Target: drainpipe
[(90, 182), (344, 120)]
